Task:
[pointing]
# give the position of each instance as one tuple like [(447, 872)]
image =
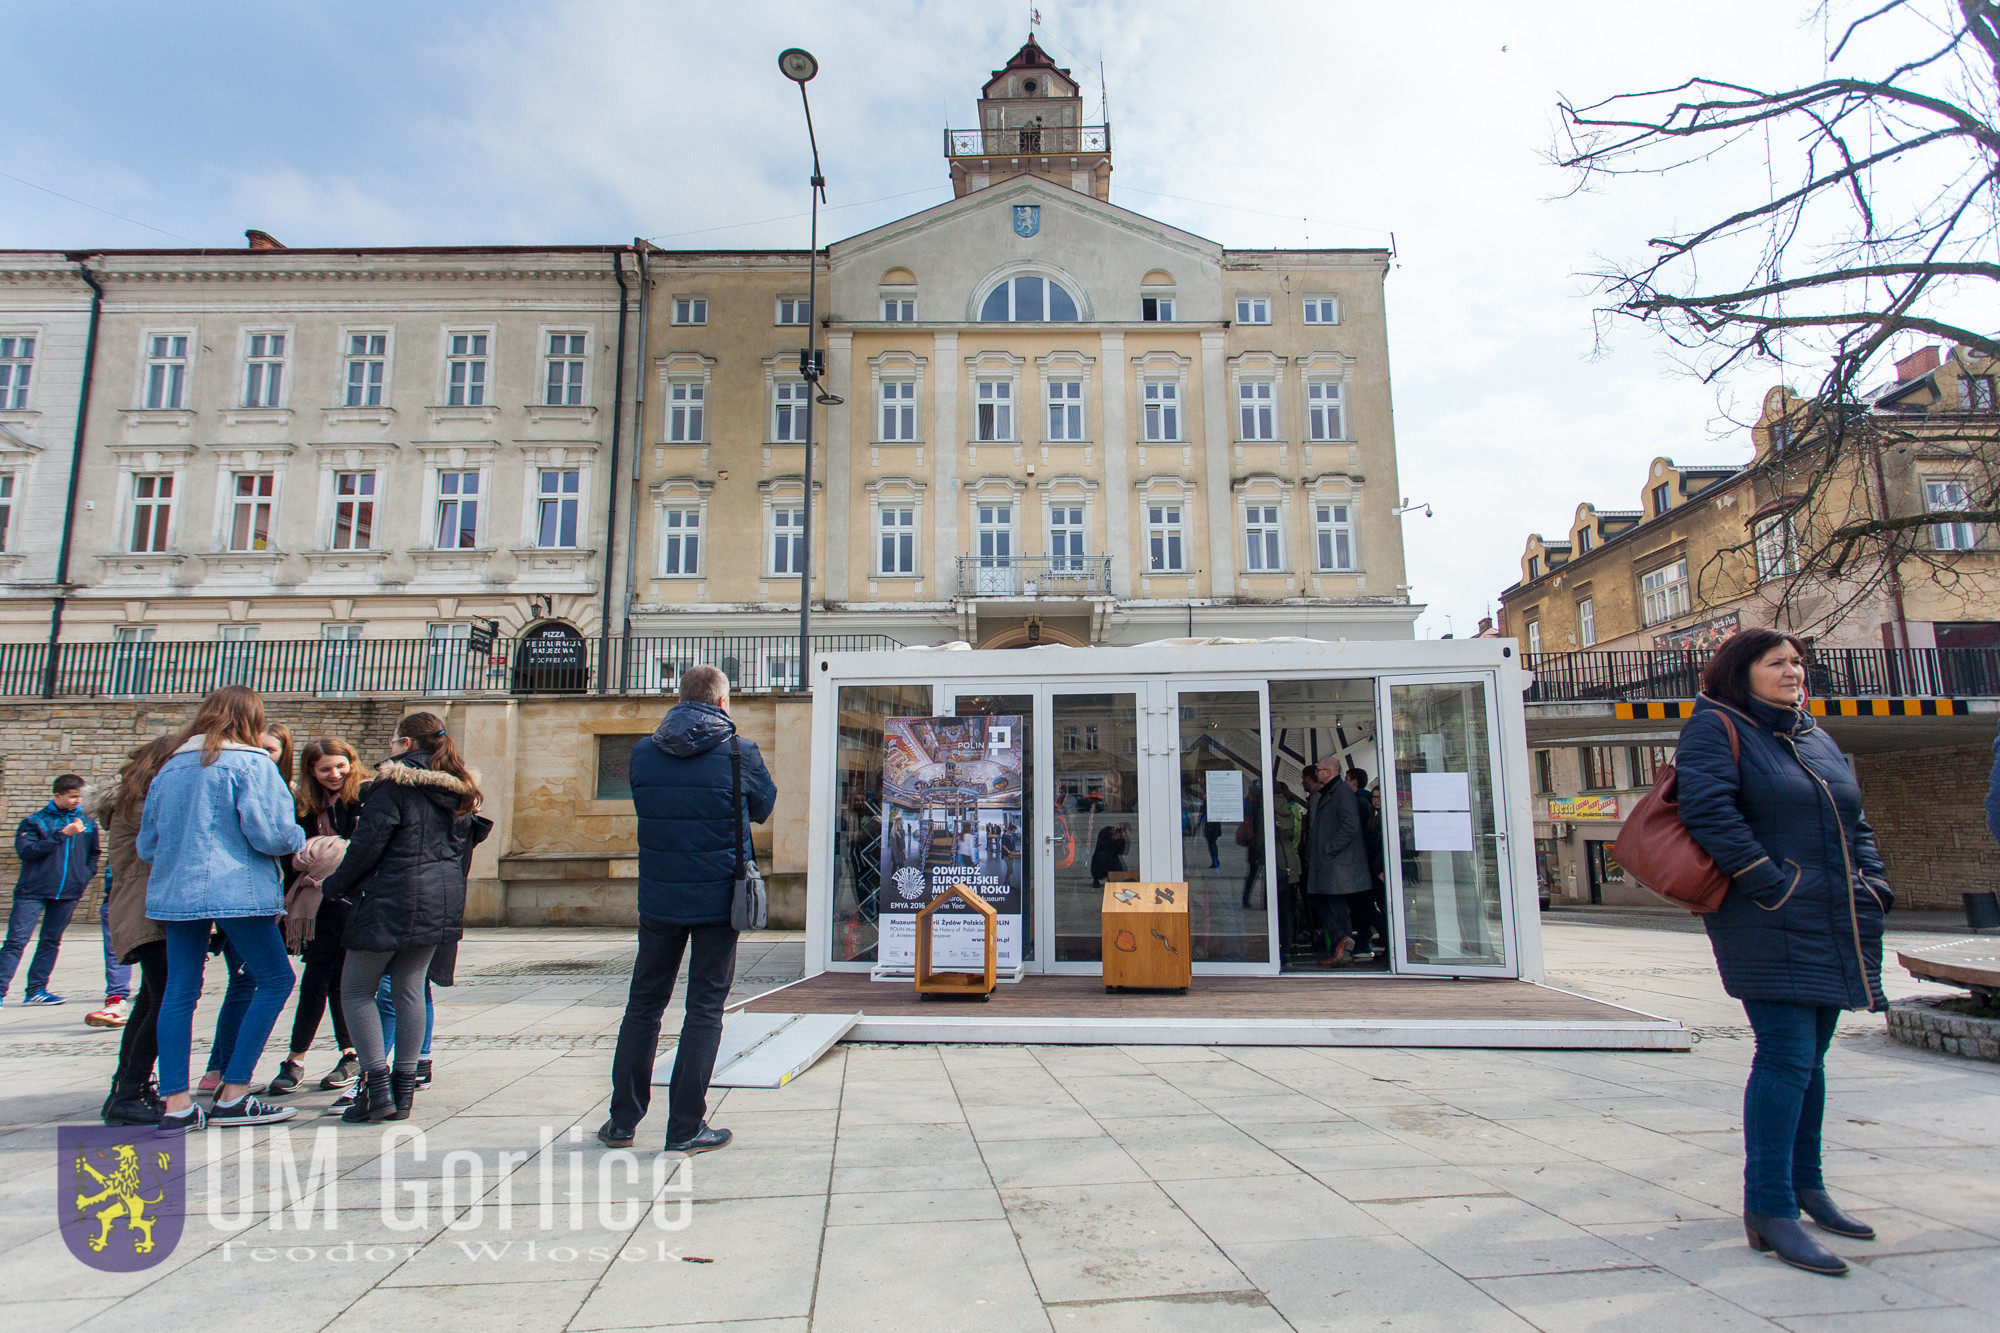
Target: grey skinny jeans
[(359, 976)]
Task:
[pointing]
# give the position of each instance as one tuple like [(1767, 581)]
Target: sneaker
[(343, 1074), (210, 1081), (344, 1100), (180, 1122), (291, 1073), (613, 1136), (247, 1110), (423, 1073), (707, 1140), (112, 1015), (44, 997)]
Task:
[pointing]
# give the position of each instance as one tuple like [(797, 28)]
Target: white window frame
[(1263, 535), (898, 422), (1326, 398), (1166, 531), (1162, 303), (687, 410), (1066, 517), (1773, 546), (1257, 409), (1070, 289), (1333, 519), (370, 499), (1534, 638), (993, 402), (475, 387), (791, 405), (575, 356), (898, 544), (899, 305), (792, 312), (1586, 622), (1322, 310), (1253, 310), (237, 504), (690, 310), (1162, 418), (996, 528), (266, 358), (1662, 497), (685, 496), (784, 519), (8, 481), (178, 356), (565, 496), (1067, 422), (1977, 393), (1943, 495), (17, 368), (481, 505), (158, 543), (1665, 593), (383, 360)]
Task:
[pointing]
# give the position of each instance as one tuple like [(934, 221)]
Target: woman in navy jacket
[(1798, 938)]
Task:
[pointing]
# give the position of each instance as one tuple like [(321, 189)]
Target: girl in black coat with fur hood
[(404, 873)]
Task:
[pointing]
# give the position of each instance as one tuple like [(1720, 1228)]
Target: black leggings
[(319, 989), (139, 1047)]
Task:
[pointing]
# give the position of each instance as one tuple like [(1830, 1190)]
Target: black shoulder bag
[(748, 903)]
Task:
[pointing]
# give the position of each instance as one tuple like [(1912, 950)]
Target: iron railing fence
[(360, 668), (1033, 575), (1028, 141), (1853, 673)]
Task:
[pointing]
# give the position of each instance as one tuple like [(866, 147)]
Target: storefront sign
[(1583, 807), (553, 657), (1702, 638), (951, 814)]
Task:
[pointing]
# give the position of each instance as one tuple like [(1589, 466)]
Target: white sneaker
[(112, 1015)]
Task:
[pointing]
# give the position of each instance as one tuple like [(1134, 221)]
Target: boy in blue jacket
[(58, 850)]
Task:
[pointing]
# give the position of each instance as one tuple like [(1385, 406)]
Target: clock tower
[(1031, 124)]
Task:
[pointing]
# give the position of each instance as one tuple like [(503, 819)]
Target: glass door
[(1098, 785), (987, 840), (1450, 899), (1223, 825)]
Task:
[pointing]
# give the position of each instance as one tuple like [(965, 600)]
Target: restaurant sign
[(1583, 807)]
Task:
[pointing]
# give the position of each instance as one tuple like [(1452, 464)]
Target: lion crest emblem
[(122, 1196)]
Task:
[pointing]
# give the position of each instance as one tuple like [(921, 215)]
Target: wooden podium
[(1146, 936)]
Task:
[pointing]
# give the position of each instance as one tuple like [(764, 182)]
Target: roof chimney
[(1917, 363), (264, 240)]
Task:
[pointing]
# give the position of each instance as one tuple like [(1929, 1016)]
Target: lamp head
[(797, 65)]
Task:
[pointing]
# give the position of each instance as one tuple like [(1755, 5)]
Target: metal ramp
[(770, 1050)]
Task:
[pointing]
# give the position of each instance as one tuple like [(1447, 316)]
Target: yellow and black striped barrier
[(1672, 709)]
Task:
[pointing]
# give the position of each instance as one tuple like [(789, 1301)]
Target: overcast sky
[(1255, 124)]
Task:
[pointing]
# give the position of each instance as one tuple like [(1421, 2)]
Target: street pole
[(800, 67)]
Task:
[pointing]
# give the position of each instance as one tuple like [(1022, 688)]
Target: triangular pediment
[(1097, 216)]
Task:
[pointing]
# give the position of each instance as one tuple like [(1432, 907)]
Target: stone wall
[(1928, 811)]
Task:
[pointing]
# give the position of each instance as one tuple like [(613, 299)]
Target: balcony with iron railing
[(1831, 673), (1034, 576), (1028, 141)]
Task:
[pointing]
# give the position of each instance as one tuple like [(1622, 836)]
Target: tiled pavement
[(1057, 1188)]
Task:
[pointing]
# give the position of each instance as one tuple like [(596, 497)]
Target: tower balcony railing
[(1034, 575), (1028, 141)]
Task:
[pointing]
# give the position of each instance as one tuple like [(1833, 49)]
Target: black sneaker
[(612, 1135), (423, 1073), (705, 1140), (344, 1100), (343, 1074), (180, 1122), (291, 1073), (247, 1110)]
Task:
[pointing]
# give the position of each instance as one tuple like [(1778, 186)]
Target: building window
[(1253, 310), (1065, 409), (1333, 538), (555, 517), (1644, 763), (899, 309), (996, 535), (6, 507), (1258, 415), (1260, 536), (899, 410), (1665, 592), (565, 371), (896, 526), (166, 371), (690, 310), (788, 540), (1586, 621), (17, 362), (1326, 410), (1598, 771), (1030, 300), (264, 371), (1534, 638), (1066, 548), (367, 364), (1978, 392), (1322, 310), (1164, 539), (996, 410), (353, 511), (1772, 541), (458, 510), (152, 509), (680, 543), (1943, 497), (466, 371), (1663, 497), (1545, 773), (1534, 568), (1163, 410), (1156, 309), (686, 403), (250, 512), (794, 310), (790, 407)]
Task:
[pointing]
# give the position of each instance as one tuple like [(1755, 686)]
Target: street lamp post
[(800, 67)]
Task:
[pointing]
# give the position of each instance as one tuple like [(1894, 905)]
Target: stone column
[(946, 435), (1218, 502), (1114, 377), (487, 733), (839, 472)]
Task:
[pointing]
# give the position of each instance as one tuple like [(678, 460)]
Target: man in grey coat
[(1337, 867)]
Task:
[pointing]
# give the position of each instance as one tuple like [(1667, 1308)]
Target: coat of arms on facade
[(1027, 219), (122, 1197)]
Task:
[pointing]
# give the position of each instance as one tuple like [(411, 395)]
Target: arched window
[(1029, 299)]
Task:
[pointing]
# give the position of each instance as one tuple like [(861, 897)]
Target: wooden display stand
[(1146, 936), (931, 983)]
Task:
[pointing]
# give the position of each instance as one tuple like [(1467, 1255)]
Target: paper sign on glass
[(1225, 795), (1440, 791), (1443, 830)]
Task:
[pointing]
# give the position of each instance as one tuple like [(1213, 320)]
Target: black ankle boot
[(373, 1099), (1793, 1243), (403, 1087), (1820, 1207), (128, 1105)]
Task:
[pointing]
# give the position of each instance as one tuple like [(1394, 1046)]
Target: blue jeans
[(235, 1003), (386, 1006), (117, 975), (53, 915), (1784, 1104), (263, 949)]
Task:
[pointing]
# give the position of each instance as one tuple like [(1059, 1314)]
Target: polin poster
[(951, 813)]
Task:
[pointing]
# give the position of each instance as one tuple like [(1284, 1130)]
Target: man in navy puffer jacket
[(690, 832)]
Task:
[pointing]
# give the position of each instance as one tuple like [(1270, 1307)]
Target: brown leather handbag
[(1657, 850)]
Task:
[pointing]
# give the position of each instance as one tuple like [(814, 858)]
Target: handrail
[(1846, 673), (1028, 141), (1033, 575)]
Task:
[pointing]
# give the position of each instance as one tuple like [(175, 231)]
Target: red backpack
[(1657, 850)]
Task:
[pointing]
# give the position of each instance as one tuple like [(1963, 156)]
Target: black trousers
[(139, 1045), (319, 990), (1335, 912), (711, 971)]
